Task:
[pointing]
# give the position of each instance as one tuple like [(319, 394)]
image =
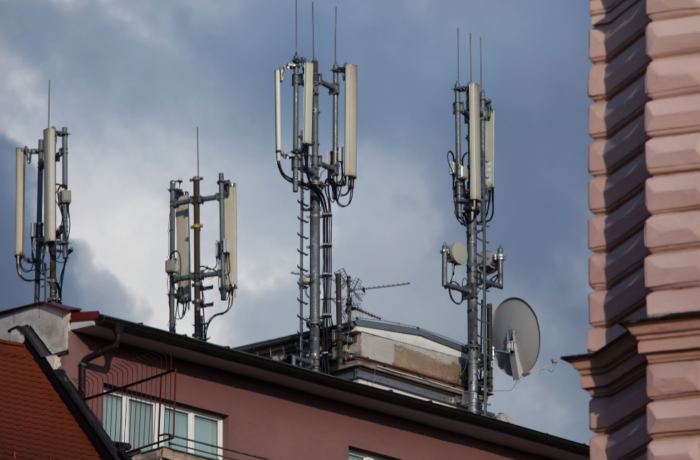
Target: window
[(112, 416), (141, 423), (181, 431)]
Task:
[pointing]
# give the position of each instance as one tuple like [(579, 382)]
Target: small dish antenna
[(517, 331)]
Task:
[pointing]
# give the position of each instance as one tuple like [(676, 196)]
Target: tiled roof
[(35, 423)]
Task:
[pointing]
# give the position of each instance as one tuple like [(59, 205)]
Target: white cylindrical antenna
[(474, 142), (350, 121), (489, 157), (182, 234), (230, 235), (49, 185), (307, 135), (278, 115), (19, 203)]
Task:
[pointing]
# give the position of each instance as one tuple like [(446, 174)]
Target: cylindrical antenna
[(313, 37), (296, 32), (49, 120), (335, 40), (470, 58), (197, 151), (458, 55)]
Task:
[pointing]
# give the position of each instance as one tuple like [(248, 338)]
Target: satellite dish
[(516, 337)]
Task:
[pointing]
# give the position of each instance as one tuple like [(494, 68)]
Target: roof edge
[(335, 383)]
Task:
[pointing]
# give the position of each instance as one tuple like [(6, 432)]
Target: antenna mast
[(45, 236), (473, 196), (307, 167), (177, 266)]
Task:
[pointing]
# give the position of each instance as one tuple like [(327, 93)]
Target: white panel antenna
[(278, 115), (351, 120), (474, 142), (182, 231), (307, 130), (19, 202), (231, 235), (49, 185), (489, 156)]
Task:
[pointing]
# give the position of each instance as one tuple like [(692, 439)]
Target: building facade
[(642, 357)]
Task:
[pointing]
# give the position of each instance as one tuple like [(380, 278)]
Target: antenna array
[(45, 235), (180, 276), (308, 167), (473, 196)]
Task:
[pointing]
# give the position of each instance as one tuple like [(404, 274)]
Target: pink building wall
[(642, 365)]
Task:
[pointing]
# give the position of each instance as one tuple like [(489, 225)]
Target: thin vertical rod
[(49, 118), (335, 39), (481, 68), (171, 244), (458, 55), (198, 151), (296, 25), (313, 37), (470, 58)]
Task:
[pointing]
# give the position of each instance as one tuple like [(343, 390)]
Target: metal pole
[(335, 159), (64, 166), (53, 294), (198, 323), (301, 271), (171, 234), (315, 243), (296, 162), (471, 397), (339, 317), (38, 255), (484, 314), (222, 256)]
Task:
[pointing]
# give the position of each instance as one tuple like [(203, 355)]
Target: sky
[(133, 80)]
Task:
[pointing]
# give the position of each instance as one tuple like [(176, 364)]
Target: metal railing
[(135, 401)]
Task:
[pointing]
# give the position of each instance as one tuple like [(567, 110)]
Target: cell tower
[(308, 167), (181, 278), (46, 236), (514, 326)]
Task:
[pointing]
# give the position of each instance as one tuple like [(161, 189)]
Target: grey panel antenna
[(474, 142), (350, 120), (19, 202), (489, 156), (278, 115), (516, 329), (308, 109), (182, 229), (49, 185), (231, 235)]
